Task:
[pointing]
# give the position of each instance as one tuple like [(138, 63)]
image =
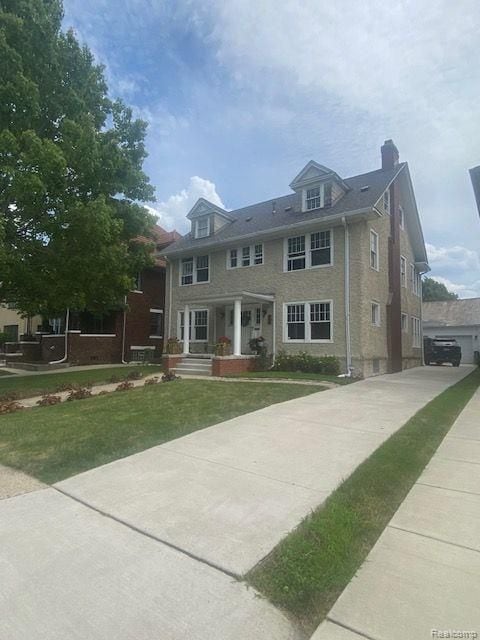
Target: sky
[(241, 94)]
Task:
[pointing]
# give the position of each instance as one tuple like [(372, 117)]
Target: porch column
[(237, 328), (186, 329)]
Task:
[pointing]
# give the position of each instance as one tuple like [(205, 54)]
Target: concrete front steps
[(194, 365)]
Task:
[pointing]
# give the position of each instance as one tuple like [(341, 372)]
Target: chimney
[(389, 155)]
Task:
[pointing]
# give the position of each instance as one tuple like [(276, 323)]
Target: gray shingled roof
[(258, 218), (452, 313)]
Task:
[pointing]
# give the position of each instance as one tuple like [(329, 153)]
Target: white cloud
[(171, 213), (455, 258), (462, 290)]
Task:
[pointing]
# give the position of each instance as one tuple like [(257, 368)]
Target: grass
[(53, 443), (309, 569), (293, 375), (38, 384)]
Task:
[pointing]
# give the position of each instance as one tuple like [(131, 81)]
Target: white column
[(186, 329), (237, 328)]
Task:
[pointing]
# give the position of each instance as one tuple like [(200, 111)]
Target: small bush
[(9, 396), (79, 394), (67, 386), (125, 386), (48, 400), (9, 406), (169, 376), (307, 364), (134, 375), (150, 381)]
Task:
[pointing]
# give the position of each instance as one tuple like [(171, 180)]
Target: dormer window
[(202, 227), (318, 197)]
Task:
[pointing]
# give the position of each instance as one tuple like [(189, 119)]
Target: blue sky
[(239, 95)]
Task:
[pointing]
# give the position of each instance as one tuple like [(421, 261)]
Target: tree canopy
[(436, 291), (70, 170)]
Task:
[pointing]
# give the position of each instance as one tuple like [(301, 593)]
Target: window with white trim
[(202, 227), (386, 201), (245, 256), (401, 217), (404, 323), (308, 322), (318, 197), (194, 270), (308, 251), (198, 329), (375, 314), (415, 280), (374, 249), (156, 323), (403, 271), (416, 332)]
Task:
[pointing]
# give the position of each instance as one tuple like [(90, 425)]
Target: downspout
[(124, 331), (65, 355), (170, 271), (274, 332), (348, 347)]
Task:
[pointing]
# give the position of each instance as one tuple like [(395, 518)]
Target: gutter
[(65, 355), (348, 346)]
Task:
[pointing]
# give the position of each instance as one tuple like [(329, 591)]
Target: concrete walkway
[(424, 572), (149, 545)]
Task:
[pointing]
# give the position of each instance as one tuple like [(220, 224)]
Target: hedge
[(308, 364)]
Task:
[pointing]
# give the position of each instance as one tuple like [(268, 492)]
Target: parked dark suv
[(441, 350)]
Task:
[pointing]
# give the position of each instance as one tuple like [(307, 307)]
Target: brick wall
[(228, 365)]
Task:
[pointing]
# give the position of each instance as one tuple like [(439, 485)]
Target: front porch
[(204, 325)]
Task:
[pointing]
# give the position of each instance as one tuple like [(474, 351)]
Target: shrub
[(306, 363), (169, 377), (9, 406), (79, 394), (125, 386), (134, 375), (150, 381), (48, 400)]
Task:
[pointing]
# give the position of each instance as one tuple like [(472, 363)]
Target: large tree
[(70, 170), (433, 291)]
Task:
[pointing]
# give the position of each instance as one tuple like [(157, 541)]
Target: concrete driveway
[(149, 545)]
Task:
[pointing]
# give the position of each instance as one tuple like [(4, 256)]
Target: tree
[(70, 171), (435, 291)]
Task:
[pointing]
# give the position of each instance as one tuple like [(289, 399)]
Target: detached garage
[(459, 319)]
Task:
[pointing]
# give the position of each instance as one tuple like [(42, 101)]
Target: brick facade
[(229, 365)]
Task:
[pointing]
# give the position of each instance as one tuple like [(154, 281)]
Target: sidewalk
[(422, 578)]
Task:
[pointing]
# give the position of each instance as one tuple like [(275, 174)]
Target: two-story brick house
[(334, 268)]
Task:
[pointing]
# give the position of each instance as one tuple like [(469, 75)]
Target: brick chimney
[(389, 155)]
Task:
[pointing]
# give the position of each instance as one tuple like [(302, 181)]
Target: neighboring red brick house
[(135, 334)]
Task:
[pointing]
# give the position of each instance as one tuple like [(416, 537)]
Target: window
[(374, 249), (375, 314), (308, 322), (194, 270), (198, 330), (320, 248), (318, 197), (258, 316), (245, 256), (403, 271), (386, 201), (296, 253), (415, 281), (416, 332), (156, 323), (404, 323), (319, 252), (202, 227), (401, 218)]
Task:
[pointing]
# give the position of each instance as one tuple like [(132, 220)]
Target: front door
[(251, 325)]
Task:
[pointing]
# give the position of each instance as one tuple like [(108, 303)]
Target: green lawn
[(309, 569), (53, 443), (38, 384), (293, 375)]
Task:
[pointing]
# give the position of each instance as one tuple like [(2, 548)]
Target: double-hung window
[(194, 270), (245, 256), (202, 228), (318, 197), (198, 327), (403, 271), (404, 323), (308, 322), (416, 332), (373, 249), (156, 323), (401, 217), (375, 314), (313, 199), (415, 280), (307, 251)]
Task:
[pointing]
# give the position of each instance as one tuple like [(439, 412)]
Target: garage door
[(466, 342)]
